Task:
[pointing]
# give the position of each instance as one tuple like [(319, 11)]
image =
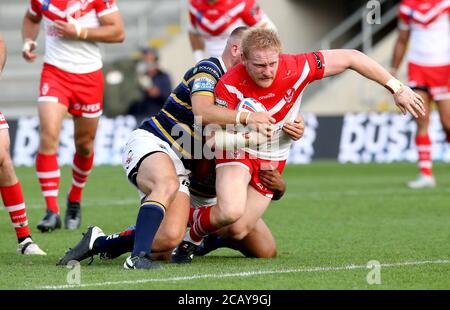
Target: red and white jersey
[(215, 22), (74, 56), (3, 123), (429, 24), (282, 99)]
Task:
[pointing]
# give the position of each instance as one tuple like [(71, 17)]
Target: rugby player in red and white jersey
[(277, 80), (10, 188), (212, 21), (71, 81), (425, 24)]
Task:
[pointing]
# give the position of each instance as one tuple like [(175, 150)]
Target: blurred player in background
[(71, 81), (10, 187), (277, 80), (212, 21), (425, 24)]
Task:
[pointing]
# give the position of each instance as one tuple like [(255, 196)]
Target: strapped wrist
[(247, 118), (28, 44), (393, 85), (83, 33), (238, 117)]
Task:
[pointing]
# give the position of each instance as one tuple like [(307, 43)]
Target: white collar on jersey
[(222, 64)]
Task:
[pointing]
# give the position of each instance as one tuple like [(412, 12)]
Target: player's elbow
[(353, 54), (352, 58), (120, 36)]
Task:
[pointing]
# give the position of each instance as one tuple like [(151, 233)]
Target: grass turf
[(333, 220)]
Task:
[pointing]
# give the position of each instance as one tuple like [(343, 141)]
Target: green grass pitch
[(333, 220)]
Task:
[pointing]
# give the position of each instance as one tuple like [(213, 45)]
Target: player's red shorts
[(3, 123), (82, 94), (254, 166), (434, 80)]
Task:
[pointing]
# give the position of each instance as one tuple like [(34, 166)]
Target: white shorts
[(200, 202), (142, 144)]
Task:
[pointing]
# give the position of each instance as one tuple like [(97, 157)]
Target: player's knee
[(446, 127), (267, 252), (6, 166), (238, 232), (84, 146), (166, 187), (3, 158), (170, 239), (230, 216), (49, 141)]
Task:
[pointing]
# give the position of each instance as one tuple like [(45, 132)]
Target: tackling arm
[(203, 106)]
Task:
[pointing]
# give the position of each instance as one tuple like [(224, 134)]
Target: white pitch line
[(243, 274)]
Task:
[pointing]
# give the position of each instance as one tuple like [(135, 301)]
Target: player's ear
[(243, 59)]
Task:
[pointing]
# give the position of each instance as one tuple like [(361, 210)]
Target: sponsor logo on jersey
[(129, 159), (206, 68), (45, 89), (318, 60), (268, 96), (185, 183), (204, 84), (91, 107)]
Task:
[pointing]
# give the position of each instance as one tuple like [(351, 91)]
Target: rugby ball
[(250, 105)]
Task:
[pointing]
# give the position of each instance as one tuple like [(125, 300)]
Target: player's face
[(262, 66)]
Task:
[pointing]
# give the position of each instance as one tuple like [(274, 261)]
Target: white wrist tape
[(238, 118), (198, 55), (28, 45), (247, 117), (393, 85), (74, 22)]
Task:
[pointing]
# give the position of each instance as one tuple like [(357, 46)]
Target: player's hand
[(261, 122), (66, 30), (295, 129), (27, 51), (408, 101), (272, 180)]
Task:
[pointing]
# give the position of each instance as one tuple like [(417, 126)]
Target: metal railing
[(148, 24), (361, 39), (368, 29)]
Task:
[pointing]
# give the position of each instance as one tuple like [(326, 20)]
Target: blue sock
[(149, 218), (114, 245)]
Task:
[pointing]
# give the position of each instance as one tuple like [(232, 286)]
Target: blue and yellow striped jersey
[(175, 121)]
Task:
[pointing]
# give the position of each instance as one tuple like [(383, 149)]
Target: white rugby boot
[(422, 181), (28, 247)]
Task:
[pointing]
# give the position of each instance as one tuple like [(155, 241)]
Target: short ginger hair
[(260, 39)]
